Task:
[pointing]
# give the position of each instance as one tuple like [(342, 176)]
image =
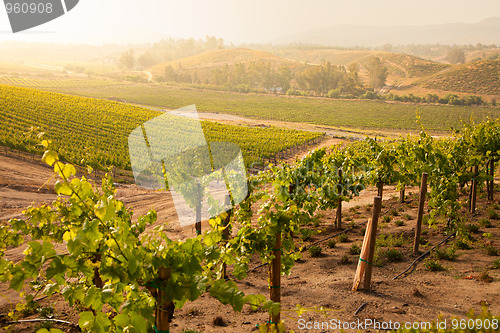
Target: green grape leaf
[(86, 321), (50, 157)]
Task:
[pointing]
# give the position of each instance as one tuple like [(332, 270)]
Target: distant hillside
[(488, 54), (406, 66), (399, 65), (316, 56), (485, 32), (215, 58), (201, 66), (479, 77)]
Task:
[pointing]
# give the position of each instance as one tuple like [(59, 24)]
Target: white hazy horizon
[(130, 21)]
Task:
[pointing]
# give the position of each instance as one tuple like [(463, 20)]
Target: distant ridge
[(486, 32)]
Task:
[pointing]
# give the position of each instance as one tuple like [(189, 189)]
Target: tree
[(456, 56), (321, 79), (127, 60), (170, 74), (212, 43), (284, 77), (147, 59), (377, 72)]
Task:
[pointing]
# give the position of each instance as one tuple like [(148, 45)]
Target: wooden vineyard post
[(225, 232), (97, 277), (198, 210), (492, 183), (377, 204), (368, 248), (469, 204), (474, 191), (488, 182), (164, 308), (418, 229), (402, 195), (275, 278), (338, 219), (380, 189)]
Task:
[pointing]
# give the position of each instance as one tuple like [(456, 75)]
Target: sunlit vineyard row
[(320, 111), (54, 83), (95, 132)]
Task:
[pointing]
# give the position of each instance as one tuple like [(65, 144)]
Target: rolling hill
[(399, 65), (406, 66), (479, 77), (203, 64)]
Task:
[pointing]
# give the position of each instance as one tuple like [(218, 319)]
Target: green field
[(95, 132), (361, 114)]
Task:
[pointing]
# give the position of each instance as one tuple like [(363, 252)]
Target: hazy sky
[(102, 21)]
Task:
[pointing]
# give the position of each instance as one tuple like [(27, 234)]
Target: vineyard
[(86, 250), (320, 111), (94, 132), (54, 83)]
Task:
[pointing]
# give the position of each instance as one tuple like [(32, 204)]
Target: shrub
[(343, 238), (382, 240), (387, 218), (448, 254), (391, 240), (496, 264), (473, 227), (485, 223), (315, 251), (433, 265), (398, 241), (394, 212), (399, 223), (462, 244), (393, 255), (491, 250), (492, 214), (345, 260), (354, 249), (331, 243), (307, 234)]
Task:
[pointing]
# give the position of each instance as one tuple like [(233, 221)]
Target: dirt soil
[(325, 281)]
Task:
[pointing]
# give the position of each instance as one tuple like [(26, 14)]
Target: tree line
[(321, 80), (167, 50)]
